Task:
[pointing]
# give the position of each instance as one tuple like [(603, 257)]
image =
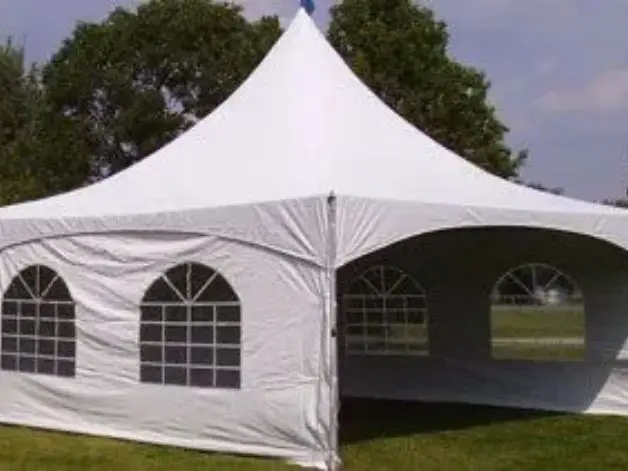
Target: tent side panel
[(555, 386), (460, 368), (458, 271), (272, 411)]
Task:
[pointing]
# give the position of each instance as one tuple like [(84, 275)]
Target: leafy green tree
[(37, 147), (137, 80), (400, 51), (17, 99)]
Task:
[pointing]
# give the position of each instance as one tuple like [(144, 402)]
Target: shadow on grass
[(368, 419)]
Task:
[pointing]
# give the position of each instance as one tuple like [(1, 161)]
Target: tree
[(140, 78), (400, 51), (37, 147), (18, 93), (16, 107)]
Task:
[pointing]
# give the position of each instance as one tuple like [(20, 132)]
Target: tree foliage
[(18, 100), (118, 90), (37, 147), (137, 80), (399, 50)]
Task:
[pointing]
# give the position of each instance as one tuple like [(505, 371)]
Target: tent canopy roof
[(301, 125)]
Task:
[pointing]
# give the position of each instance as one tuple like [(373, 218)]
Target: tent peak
[(308, 6), (300, 18)]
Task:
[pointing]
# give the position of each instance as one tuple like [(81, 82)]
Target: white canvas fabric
[(277, 411), (300, 172), (311, 128)]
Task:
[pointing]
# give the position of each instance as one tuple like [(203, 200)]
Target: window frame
[(405, 311), (25, 348), (193, 343), (535, 346)]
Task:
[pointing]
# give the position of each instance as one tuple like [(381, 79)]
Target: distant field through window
[(537, 313)]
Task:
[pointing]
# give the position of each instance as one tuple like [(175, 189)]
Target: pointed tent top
[(308, 6), (301, 17), (302, 124)]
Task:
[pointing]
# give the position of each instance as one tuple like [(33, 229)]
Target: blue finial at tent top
[(308, 5)]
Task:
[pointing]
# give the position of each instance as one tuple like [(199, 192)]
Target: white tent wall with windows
[(457, 269), (281, 381), (301, 172)]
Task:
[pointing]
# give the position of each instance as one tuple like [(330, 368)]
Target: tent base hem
[(303, 458)]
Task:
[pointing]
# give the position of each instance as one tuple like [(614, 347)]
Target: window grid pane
[(194, 330), (385, 313), (38, 329)]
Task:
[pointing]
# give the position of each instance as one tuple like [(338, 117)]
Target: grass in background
[(517, 333), (538, 332), (539, 322), (539, 352)]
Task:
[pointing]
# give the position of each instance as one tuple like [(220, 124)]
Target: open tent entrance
[(502, 316)]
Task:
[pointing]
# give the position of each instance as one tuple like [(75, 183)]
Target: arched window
[(190, 330), (38, 330), (537, 313), (385, 312)]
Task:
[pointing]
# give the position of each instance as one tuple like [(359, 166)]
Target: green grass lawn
[(517, 332), (375, 436), (511, 324), (539, 352), (545, 321)]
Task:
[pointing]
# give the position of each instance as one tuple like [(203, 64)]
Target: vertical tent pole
[(331, 315)]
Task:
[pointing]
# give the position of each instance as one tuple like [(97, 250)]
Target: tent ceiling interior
[(192, 299)]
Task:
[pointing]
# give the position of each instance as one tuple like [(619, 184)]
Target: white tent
[(191, 299)]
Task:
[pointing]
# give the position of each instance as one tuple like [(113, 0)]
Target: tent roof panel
[(302, 124)]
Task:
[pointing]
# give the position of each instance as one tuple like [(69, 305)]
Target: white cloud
[(608, 91)]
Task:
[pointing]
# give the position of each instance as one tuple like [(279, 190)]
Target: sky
[(558, 68)]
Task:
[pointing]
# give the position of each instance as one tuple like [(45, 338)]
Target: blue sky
[(559, 70)]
